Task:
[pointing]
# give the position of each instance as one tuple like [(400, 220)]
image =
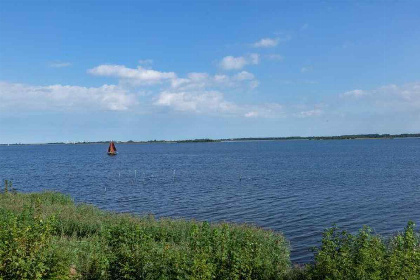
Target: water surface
[(296, 187)]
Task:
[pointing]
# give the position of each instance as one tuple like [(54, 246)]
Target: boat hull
[(112, 154)]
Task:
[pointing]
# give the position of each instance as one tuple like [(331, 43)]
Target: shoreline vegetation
[(341, 137), (49, 236)]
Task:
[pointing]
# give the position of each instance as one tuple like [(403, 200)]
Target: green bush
[(367, 256), (48, 236), (62, 240), (27, 250)]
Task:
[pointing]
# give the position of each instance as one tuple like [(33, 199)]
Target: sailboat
[(112, 151)]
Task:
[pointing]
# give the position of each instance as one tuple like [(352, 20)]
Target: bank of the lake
[(47, 236)]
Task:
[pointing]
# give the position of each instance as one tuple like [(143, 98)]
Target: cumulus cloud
[(244, 75), (198, 102), (138, 75), (230, 62), (65, 97), (196, 92), (252, 114), (195, 76), (237, 63), (194, 81), (397, 97), (402, 99), (213, 102), (266, 43)]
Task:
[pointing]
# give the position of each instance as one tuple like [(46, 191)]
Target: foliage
[(26, 247), (367, 256), (48, 236)]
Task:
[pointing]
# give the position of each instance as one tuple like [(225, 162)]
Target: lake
[(295, 187)]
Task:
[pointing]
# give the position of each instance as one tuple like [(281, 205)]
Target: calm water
[(296, 187)]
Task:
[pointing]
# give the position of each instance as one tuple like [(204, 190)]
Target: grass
[(48, 236)]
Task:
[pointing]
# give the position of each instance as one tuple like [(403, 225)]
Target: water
[(296, 187)]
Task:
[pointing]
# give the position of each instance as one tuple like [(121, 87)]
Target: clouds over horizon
[(390, 98), (214, 103), (199, 93), (59, 97)]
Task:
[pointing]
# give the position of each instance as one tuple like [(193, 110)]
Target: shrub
[(48, 236), (26, 251), (367, 256), (83, 242)]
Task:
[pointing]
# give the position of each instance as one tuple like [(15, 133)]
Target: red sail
[(111, 148)]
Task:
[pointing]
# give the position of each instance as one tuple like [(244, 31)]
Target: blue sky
[(142, 70)]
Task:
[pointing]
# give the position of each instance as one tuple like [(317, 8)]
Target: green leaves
[(367, 256), (47, 236), (26, 250)]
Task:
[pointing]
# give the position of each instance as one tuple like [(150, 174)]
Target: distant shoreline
[(248, 139)]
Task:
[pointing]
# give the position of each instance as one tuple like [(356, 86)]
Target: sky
[(145, 70)]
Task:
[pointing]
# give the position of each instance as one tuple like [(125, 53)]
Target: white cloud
[(60, 64), (213, 102), (220, 78), (266, 43), (354, 93), (195, 76), (194, 81), (198, 102), (139, 75), (64, 97), (390, 99), (244, 75), (178, 82), (310, 113), (230, 62), (252, 114), (394, 97), (237, 63)]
